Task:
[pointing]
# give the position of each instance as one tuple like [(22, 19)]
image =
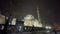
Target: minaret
[(38, 14)]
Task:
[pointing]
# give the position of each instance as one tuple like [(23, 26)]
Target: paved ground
[(31, 33), (34, 33)]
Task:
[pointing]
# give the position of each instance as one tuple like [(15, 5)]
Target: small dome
[(29, 17)]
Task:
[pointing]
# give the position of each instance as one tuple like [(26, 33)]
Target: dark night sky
[(49, 9)]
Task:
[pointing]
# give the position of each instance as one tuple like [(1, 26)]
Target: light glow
[(48, 27)]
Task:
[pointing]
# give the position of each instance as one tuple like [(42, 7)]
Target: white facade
[(13, 21), (29, 20), (2, 19)]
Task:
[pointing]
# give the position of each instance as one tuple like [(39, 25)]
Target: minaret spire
[(38, 14)]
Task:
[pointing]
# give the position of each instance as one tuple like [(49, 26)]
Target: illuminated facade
[(2, 19), (13, 21), (29, 20)]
